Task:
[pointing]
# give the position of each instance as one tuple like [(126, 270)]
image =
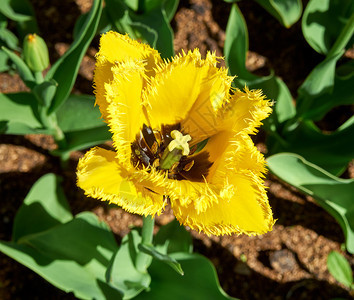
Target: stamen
[(174, 167), (156, 163), (188, 166), (154, 148)]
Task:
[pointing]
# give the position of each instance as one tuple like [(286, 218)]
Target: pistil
[(177, 148)]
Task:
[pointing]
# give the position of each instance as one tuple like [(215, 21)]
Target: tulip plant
[(181, 129)]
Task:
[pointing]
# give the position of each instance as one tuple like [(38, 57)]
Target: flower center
[(169, 149), (175, 150)]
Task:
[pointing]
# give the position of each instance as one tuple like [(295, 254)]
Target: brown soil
[(287, 263)]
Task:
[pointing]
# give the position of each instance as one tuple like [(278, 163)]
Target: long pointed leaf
[(65, 70), (332, 193), (44, 207)]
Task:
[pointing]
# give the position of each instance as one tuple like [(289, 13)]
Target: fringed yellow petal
[(233, 152), (215, 147), (242, 156), (101, 176), (233, 200), (115, 48), (102, 75), (242, 207), (198, 195), (202, 120), (151, 179), (238, 118), (246, 110), (189, 90), (173, 90), (125, 114)]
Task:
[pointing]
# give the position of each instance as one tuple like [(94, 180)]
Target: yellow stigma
[(180, 142)]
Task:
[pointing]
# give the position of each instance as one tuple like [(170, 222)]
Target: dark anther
[(149, 145)]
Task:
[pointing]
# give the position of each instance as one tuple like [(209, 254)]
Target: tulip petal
[(188, 90), (231, 200), (241, 207), (202, 120), (125, 114), (115, 48), (246, 110), (101, 176)]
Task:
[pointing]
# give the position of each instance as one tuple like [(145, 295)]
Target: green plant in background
[(22, 14), (332, 193), (80, 255), (340, 269), (146, 20), (318, 157), (49, 107)]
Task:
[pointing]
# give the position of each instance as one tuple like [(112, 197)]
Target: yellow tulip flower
[(181, 137)]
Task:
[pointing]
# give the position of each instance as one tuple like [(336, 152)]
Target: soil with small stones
[(287, 263)]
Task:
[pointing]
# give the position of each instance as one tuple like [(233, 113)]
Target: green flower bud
[(35, 52)]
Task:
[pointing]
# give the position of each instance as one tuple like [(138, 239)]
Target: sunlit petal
[(125, 114), (116, 48), (101, 176)]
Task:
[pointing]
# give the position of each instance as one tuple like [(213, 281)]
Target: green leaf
[(236, 44), (274, 88), (340, 95), (150, 250), (172, 238), (79, 113), (320, 81), (19, 111), (287, 12), (329, 151), (9, 39), (151, 25), (236, 47), (73, 256), (340, 269), (4, 62), (6, 9), (24, 71), (71, 240), (323, 20), (158, 21), (122, 273), (25, 7), (45, 92), (334, 194), (44, 207), (83, 139), (170, 7), (199, 282), (65, 69), (2, 127)]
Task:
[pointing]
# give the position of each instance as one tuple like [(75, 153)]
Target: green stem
[(344, 37), (58, 135), (38, 77), (143, 260)]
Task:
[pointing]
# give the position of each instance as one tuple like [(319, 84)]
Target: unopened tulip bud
[(35, 52)]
